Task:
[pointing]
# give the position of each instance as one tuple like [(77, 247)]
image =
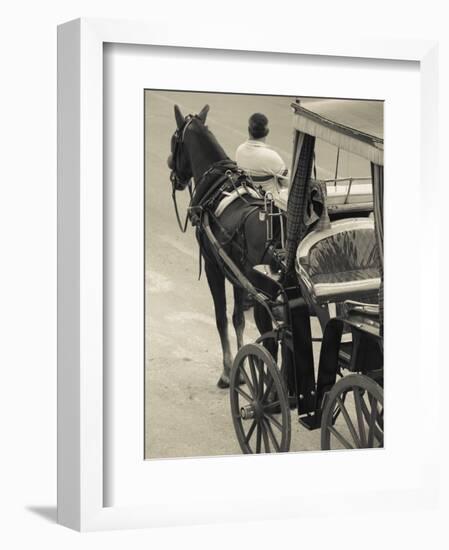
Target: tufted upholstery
[(341, 262)]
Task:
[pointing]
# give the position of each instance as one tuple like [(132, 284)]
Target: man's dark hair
[(258, 126)]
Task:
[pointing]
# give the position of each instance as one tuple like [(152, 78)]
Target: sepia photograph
[(263, 274), (232, 276)]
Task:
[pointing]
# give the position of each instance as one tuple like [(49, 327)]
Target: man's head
[(258, 126)]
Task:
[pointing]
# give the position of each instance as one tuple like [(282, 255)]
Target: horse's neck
[(204, 151)]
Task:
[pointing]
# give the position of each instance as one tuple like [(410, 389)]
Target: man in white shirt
[(264, 165)]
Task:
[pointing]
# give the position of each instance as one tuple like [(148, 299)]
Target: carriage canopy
[(349, 128)]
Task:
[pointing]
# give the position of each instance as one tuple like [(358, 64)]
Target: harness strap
[(261, 179), (200, 267)]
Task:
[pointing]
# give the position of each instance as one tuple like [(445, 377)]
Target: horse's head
[(179, 160)]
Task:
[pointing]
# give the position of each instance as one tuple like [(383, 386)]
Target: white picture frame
[(81, 408)]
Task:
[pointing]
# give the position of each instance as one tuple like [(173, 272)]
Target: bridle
[(177, 183), (178, 137)]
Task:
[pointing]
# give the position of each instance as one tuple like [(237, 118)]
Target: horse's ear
[(179, 117), (203, 113)]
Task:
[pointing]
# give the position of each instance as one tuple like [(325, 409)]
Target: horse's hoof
[(223, 383)]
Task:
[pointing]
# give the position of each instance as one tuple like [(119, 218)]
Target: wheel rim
[(353, 415), (259, 407)]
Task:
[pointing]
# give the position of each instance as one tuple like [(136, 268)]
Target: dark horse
[(195, 153)]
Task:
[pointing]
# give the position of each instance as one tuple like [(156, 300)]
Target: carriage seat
[(341, 262)]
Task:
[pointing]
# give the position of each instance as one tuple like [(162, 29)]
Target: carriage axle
[(248, 412)]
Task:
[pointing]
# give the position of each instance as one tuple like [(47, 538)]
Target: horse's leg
[(216, 281), (238, 317), (264, 325)]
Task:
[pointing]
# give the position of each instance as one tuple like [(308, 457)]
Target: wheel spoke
[(337, 411), (340, 438), (349, 423), (365, 411), (269, 385), (260, 368), (273, 420), (272, 436), (266, 443), (372, 422), (335, 415), (377, 433), (250, 431), (271, 406), (258, 438), (360, 421), (267, 376), (248, 381), (243, 393), (252, 368), (380, 419)]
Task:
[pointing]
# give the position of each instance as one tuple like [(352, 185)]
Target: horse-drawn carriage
[(328, 267)]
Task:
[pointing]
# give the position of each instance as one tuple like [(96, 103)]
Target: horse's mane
[(214, 143), (206, 144)]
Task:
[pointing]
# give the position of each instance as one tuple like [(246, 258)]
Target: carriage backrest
[(341, 262)]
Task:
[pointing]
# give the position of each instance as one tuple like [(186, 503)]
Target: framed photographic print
[(231, 275)]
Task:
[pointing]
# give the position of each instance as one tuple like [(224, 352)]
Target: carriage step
[(311, 421)]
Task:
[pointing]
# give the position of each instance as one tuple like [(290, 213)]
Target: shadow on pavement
[(47, 512)]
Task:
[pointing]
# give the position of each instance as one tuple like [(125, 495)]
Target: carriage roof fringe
[(353, 140)]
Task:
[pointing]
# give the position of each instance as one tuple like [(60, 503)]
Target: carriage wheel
[(352, 417), (259, 408)]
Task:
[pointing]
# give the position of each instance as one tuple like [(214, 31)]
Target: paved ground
[(186, 414)]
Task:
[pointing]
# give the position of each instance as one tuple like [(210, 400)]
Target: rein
[(182, 226)]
